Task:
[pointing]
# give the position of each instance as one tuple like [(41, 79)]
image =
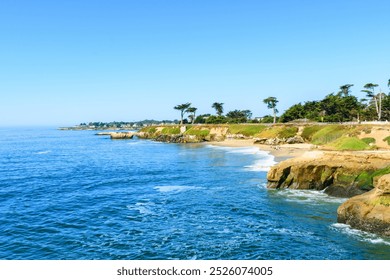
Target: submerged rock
[(370, 211)]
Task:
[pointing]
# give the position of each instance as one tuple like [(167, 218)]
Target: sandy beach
[(281, 152)]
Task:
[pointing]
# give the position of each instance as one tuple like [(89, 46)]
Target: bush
[(387, 139), (368, 140)]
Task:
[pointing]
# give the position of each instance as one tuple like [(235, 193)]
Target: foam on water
[(308, 196), (142, 208), (360, 235), (264, 160), (43, 152)]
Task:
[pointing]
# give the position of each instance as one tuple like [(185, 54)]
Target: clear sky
[(66, 62)]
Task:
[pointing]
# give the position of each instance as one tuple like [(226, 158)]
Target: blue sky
[(66, 62)]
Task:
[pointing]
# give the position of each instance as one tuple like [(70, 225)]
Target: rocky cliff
[(342, 174), (370, 211)]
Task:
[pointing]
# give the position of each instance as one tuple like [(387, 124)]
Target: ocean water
[(74, 195)]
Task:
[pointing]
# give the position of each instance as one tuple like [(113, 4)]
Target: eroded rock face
[(370, 211), (337, 172)]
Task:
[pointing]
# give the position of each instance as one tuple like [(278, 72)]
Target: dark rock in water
[(343, 191)]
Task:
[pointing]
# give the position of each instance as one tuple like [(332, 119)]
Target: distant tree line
[(343, 106), (334, 107)]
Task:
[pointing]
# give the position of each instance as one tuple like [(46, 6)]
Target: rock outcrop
[(279, 141), (342, 174), (121, 135), (370, 211)]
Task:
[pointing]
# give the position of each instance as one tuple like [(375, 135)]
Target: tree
[(239, 116), (370, 92), (192, 111), (182, 108), (218, 107), (344, 89), (271, 104)]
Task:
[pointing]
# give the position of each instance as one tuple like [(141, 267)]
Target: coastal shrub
[(247, 130), (368, 140), (309, 131), (288, 132), (171, 130), (328, 134), (350, 143), (387, 139)]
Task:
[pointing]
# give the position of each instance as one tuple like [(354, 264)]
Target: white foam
[(263, 163), (43, 152), (360, 235), (165, 189), (142, 208), (308, 196)]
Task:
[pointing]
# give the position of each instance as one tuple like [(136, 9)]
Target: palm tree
[(344, 89), (182, 108), (192, 110), (218, 107), (271, 104), (370, 92)]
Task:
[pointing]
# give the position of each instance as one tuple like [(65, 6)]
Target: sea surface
[(75, 195)]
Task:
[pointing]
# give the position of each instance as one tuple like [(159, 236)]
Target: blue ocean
[(75, 195)]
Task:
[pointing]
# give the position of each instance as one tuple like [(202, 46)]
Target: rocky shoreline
[(358, 175)]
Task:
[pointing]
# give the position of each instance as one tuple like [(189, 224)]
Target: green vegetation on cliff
[(365, 180), (278, 132), (349, 144), (198, 131), (247, 130), (171, 130), (328, 134)]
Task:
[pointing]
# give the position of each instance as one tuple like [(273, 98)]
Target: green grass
[(247, 130), (278, 131), (387, 139), (328, 134), (368, 140), (288, 132), (349, 144), (201, 132), (309, 131), (171, 130), (149, 129)]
